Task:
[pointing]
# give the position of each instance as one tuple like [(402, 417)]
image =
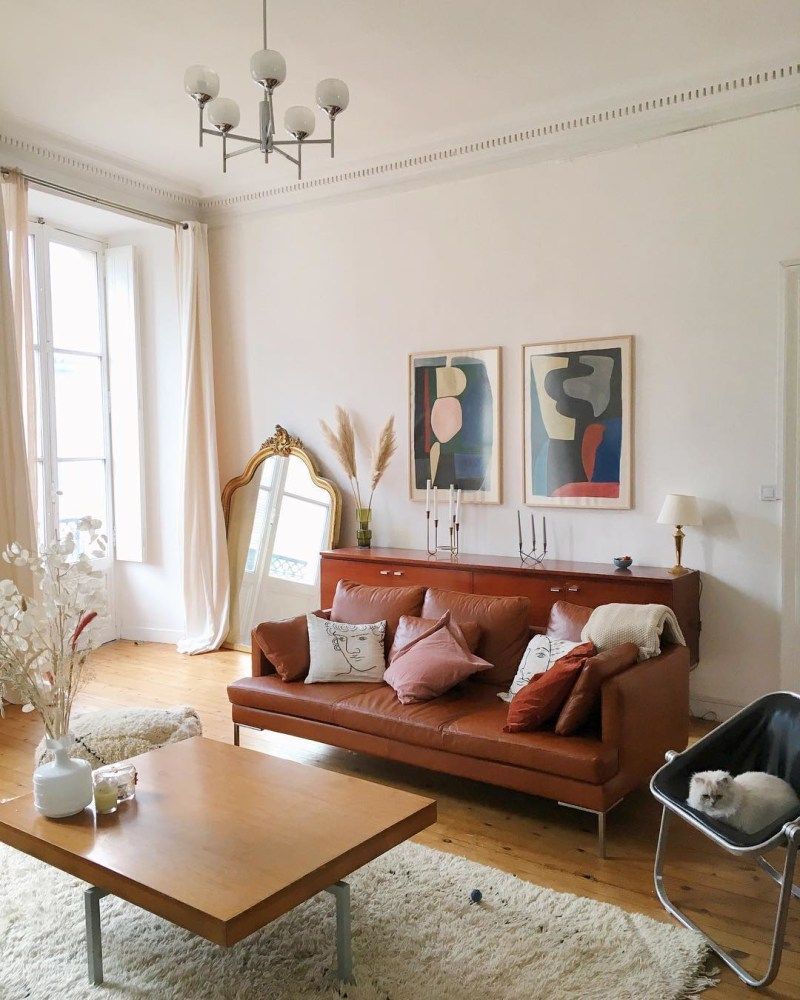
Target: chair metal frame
[(787, 837)]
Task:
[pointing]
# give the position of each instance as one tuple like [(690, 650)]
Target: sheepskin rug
[(118, 733), (415, 937)]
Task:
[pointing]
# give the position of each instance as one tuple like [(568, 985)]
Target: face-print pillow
[(341, 652), (541, 654)]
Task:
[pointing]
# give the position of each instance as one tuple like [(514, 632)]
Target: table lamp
[(679, 510)]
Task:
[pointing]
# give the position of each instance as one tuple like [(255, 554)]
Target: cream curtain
[(17, 387), (204, 552)]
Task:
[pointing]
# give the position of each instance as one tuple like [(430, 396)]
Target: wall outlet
[(769, 492)]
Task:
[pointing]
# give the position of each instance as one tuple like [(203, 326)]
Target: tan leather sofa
[(643, 711)]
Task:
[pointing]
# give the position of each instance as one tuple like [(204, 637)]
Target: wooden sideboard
[(590, 584)]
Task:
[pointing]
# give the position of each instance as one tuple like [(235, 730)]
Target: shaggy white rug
[(113, 734), (415, 937)]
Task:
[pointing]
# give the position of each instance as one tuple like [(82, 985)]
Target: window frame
[(45, 351)]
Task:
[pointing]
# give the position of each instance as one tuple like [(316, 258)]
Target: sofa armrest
[(261, 647), (645, 712)]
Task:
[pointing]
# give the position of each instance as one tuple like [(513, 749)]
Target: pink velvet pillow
[(433, 663)]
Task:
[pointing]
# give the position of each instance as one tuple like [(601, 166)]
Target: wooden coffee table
[(222, 840)]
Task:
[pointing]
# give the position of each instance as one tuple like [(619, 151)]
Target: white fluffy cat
[(749, 802)]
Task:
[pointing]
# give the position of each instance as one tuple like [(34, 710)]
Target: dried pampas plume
[(382, 455), (343, 444)]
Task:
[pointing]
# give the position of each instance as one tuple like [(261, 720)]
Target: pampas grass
[(342, 442)]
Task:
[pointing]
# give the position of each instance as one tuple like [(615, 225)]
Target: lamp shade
[(268, 68), (299, 121), (678, 508), (224, 113), (200, 81), (332, 96)]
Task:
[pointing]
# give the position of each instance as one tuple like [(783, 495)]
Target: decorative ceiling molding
[(44, 152), (620, 123)]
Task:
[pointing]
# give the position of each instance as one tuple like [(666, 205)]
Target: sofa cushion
[(379, 713), (285, 645), (503, 622), (567, 620), (543, 697), (306, 701), (584, 698), (480, 734), (433, 663), (410, 628), (359, 604)]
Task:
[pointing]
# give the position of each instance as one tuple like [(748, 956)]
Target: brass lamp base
[(679, 536)]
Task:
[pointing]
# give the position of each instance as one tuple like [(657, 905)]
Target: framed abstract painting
[(454, 436), (578, 429)]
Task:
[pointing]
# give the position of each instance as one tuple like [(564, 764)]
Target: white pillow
[(341, 652), (541, 654)]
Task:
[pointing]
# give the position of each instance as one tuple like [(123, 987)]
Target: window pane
[(298, 540), (299, 482), (82, 486), (79, 406), (74, 298), (41, 531), (259, 526), (34, 289)]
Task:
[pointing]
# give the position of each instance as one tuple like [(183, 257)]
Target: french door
[(74, 449)]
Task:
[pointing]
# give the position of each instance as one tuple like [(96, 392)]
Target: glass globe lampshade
[(299, 121), (268, 68), (224, 113), (332, 96), (201, 83)]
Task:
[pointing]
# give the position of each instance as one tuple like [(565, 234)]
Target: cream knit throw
[(611, 624)]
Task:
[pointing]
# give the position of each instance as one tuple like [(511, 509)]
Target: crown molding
[(57, 159), (623, 122)]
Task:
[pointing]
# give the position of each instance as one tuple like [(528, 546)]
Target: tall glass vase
[(364, 533), (63, 786)]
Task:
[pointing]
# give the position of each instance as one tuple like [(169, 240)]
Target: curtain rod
[(94, 200)]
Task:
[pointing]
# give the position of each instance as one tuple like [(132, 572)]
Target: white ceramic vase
[(63, 787)]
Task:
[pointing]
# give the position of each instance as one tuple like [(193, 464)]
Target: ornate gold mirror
[(279, 514)]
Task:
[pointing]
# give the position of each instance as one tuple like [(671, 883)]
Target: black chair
[(765, 736)]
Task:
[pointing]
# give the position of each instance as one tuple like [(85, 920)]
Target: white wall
[(677, 241), (148, 594)]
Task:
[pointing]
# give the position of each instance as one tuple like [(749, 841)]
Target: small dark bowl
[(623, 562)]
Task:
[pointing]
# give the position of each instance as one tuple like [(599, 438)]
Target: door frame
[(789, 445)]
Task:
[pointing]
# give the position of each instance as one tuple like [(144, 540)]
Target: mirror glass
[(278, 523)]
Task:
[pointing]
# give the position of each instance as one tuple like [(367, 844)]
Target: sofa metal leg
[(601, 835), (236, 734), (601, 823), (785, 880)]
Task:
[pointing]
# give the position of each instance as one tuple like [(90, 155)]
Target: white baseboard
[(138, 634), (722, 709)]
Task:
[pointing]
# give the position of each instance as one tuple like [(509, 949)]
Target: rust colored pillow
[(285, 645), (503, 622), (411, 628), (433, 663), (541, 699), (360, 604), (567, 620), (585, 696)]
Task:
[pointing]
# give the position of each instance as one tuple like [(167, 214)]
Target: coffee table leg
[(344, 954), (94, 940)]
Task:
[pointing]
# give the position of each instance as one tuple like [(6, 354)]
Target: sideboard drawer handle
[(573, 589), (384, 572), (555, 590), (397, 572)]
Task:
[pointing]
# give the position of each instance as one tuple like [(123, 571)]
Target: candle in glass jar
[(105, 796)]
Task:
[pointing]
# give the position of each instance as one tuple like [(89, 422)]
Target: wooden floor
[(532, 838)]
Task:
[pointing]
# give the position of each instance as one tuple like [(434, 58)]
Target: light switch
[(769, 492)]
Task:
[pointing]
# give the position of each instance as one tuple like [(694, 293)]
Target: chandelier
[(268, 69)]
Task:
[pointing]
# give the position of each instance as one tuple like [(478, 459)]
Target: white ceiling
[(109, 75)]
